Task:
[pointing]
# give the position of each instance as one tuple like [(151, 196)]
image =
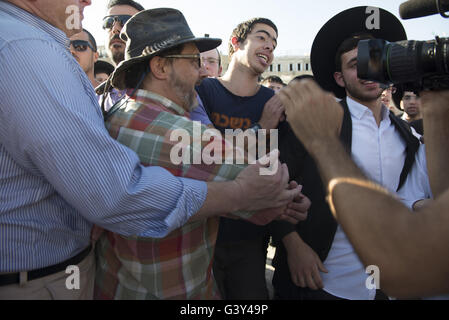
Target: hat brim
[(341, 27), (203, 44), (103, 66)]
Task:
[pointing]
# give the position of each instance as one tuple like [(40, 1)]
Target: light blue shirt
[(200, 114), (59, 169)]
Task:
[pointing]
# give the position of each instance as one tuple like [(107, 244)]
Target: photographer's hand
[(313, 114)]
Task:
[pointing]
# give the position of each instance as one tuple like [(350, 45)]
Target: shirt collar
[(144, 97), (36, 22), (358, 110)]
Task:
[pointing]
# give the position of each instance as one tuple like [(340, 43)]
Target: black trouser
[(239, 269)]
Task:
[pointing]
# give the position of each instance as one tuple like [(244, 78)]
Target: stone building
[(285, 67)]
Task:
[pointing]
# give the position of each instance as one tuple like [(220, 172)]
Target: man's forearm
[(435, 107), (409, 249), (222, 198)]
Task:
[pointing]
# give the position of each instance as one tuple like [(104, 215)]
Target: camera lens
[(411, 60), (404, 61)]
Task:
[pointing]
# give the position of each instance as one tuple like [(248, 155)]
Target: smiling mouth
[(263, 57), (369, 83)]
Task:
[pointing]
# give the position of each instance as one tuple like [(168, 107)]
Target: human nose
[(116, 26), (203, 71)]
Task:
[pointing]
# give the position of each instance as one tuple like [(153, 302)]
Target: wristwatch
[(256, 127)]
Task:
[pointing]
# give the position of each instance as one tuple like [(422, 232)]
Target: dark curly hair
[(245, 28)]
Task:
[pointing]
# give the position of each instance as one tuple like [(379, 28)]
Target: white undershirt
[(380, 153)]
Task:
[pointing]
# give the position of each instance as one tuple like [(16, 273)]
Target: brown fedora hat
[(151, 32), (343, 26)]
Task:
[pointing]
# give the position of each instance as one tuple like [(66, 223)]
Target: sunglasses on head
[(81, 45), (109, 21)]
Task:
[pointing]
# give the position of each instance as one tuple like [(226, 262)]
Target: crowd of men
[(87, 175)]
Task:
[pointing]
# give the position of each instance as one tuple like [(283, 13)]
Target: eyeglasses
[(81, 45), (186, 56), (108, 21), (209, 60)]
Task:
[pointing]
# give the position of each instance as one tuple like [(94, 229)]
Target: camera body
[(416, 65)]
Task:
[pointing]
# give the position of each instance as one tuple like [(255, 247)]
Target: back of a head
[(245, 28), (134, 4), (302, 77)]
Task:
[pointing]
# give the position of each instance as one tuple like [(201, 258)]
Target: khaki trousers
[(54, 287)]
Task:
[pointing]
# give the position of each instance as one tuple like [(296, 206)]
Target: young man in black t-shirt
[(237, 101)]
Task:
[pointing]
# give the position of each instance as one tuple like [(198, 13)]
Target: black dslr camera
[(417, 65)]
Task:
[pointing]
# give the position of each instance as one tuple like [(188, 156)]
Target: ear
[(338, 76), (96, 55), (159, 68), (220, 70), (235, 43)]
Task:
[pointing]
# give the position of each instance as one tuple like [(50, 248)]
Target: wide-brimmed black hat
[(378, 22), (150, 32)]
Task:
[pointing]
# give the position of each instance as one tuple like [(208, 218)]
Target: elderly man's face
[(184, 75), (114, 45), (65, 15)]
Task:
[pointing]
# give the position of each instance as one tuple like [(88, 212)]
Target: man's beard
[(186, 95), (118, 57)]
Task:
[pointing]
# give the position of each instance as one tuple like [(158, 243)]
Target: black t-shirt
[(228, 111)]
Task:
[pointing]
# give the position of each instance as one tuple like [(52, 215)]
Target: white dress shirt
[(380, 152)]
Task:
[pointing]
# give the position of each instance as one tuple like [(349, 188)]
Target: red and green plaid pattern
[(178, 266)]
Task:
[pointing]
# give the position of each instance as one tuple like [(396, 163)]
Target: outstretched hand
[(313, 114)]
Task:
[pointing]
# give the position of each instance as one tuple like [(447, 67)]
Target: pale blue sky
[(298, 21)]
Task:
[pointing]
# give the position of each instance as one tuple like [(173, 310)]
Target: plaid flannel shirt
[(178, 266)]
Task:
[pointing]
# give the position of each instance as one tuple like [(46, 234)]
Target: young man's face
[(274, 86), (411, 104), (256, 52), (85, 56), (361, 90), (114, 45), (211, 62), (101, 77)]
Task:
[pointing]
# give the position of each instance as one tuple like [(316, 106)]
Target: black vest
[(319, 229)]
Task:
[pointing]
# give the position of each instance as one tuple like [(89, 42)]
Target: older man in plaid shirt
[(178, 266)]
